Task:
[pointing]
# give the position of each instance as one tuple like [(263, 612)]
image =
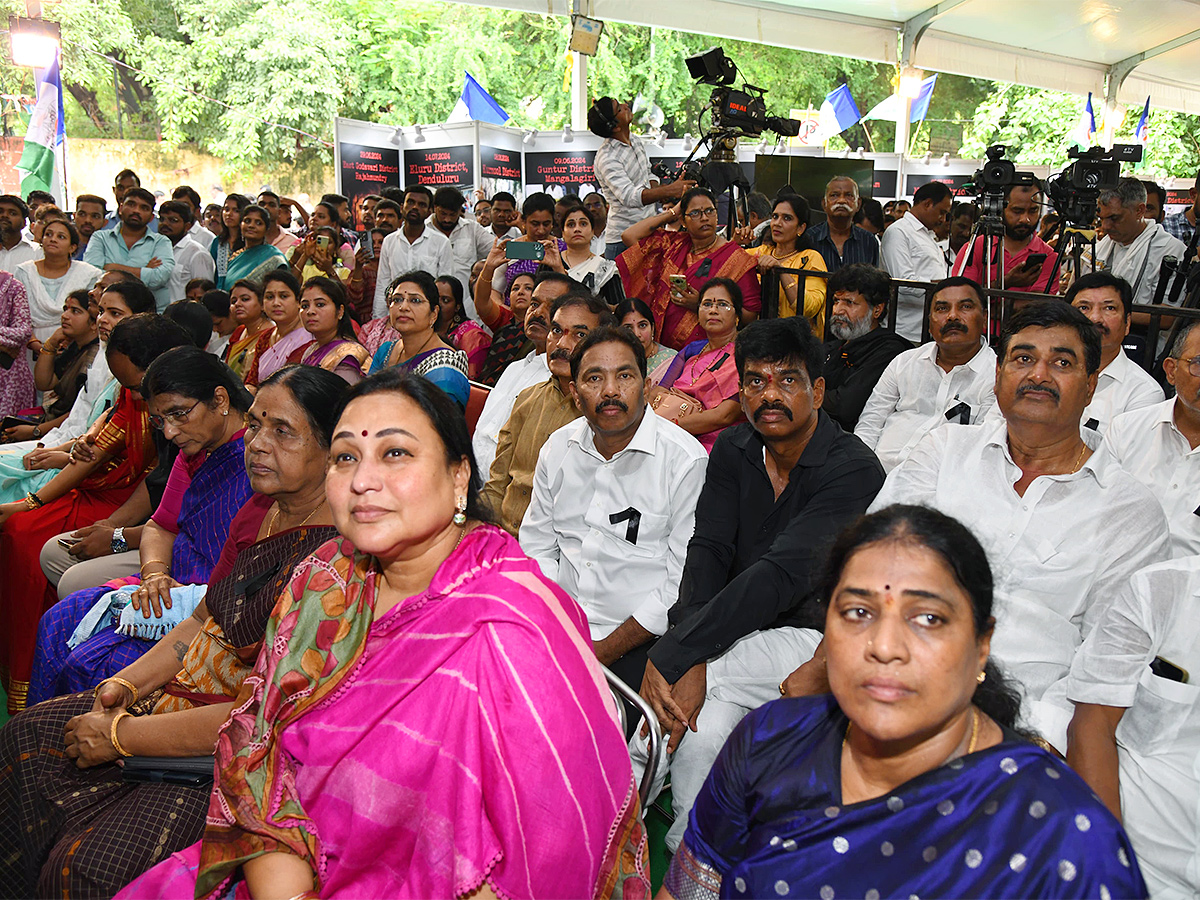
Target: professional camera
[(744, 110), (993, 181), (1075, 190)]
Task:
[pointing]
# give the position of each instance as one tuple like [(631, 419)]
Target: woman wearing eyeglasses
[(666, 269), (198, 404), (413, 305), (699, 389)]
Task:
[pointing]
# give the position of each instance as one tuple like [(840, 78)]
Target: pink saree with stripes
[(465, 737)]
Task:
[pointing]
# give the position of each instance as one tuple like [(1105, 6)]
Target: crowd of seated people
[(324, 532)]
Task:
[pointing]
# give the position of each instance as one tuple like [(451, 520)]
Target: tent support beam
[(1119, 71), (911, 33)]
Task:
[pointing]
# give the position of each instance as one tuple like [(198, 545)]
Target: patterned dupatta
[(324, 356), (503, 633), (130, 439)]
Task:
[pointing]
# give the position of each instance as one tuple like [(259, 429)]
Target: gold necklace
[(275, 518), (970, 743), (1079, 458)]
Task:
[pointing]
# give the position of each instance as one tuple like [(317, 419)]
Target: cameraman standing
[(623, 170), (1028, 260)]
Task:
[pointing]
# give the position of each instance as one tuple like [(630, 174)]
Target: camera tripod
[(720, 173), (990, 230)]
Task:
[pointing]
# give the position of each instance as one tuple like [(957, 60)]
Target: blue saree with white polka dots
[(1007, 821)]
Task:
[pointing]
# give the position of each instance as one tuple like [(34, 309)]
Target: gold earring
[(460, 511), (981, 677)]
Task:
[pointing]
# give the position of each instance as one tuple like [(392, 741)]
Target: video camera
[(993, 182), (1075, 191), (744, 110)]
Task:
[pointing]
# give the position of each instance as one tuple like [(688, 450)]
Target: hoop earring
[(460, 512)]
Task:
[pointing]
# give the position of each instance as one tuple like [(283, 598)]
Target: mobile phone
[(368, 246), (1034, 260), (12, 421), (68, 542), (323, 241), (524, 250), (678, 283), (1166, 669)]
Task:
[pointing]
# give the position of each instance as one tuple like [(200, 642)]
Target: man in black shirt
[(778, 490), (861, 348)]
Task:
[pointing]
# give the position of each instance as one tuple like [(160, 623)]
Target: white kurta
[(46, 311)]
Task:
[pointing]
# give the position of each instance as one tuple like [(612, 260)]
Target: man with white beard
[(839, 241), (861, 348)]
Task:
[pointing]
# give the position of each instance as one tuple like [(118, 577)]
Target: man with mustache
[(1123, 385), (948, 380), (541, 410), (861, 347), (1022, 212), (1063, 524), (778, 489), (521, 374), (839, 241), (14, 249), (130, 247), (614, 503)]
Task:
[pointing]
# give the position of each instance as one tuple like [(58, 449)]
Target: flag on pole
[(47, 131), (1142, 133), (1085, 129), (476, 104), (890, 108), (838, 112)]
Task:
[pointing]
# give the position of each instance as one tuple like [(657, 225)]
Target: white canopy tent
[(1120, 50)]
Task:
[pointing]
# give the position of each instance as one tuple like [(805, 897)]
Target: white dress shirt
[(1139, 262), (1059, 554), (1150, 447), (469, 243), (910, 251), (615, 570), (519, 374), (201, 236), (623, 172), (1158, 739), (914, 396), (22, 252), (431, 253), (192, 260), (1123, 385)]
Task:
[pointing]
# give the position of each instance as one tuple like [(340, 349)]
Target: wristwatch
[(118, 541), (37, 431)]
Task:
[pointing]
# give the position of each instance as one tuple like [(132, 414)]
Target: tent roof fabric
[(1066, 45)]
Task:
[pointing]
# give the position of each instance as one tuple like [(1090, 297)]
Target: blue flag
[(476, 104), (838, 112), (920, 106)]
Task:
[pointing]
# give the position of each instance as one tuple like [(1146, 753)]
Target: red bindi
[(364, 432)]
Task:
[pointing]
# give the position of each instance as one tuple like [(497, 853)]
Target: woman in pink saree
[(427, 717), (698, 389)]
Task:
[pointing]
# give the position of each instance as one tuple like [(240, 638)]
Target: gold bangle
[(132, 688), (152, 562), (112, 733)]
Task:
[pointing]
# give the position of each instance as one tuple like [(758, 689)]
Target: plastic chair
[(656, 746), (475, 400)]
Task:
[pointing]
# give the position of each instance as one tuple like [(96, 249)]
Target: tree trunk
[(87, 99)]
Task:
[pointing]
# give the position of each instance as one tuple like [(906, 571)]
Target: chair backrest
[(476, 399), (656, 746)]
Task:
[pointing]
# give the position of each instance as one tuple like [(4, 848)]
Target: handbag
[(674, 405)]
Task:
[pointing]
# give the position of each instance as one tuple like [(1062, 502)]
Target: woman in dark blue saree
[(907, 779)]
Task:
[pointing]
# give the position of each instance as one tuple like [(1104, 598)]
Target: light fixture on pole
[(661, 141), (688, 142), (909, 86), (418, 135), (397, 136), (862, 154), (529, 137), (33, 42), (946, 159), (568, 135)]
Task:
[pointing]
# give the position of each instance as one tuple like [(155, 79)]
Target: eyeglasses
[(716, 304), (697, 214), (411, 300), (176, 417), (1193, 365)]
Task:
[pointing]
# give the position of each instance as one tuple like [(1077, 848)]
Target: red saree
[(646, 269), (25, 593)]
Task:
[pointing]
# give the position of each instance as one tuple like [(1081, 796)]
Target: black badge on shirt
[(633, 517), (961, 411)]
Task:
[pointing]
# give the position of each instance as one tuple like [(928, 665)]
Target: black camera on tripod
[(993, 181), (744, 110), (1075, 191)]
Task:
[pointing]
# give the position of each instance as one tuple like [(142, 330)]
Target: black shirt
[(852, 369), (754, 560)]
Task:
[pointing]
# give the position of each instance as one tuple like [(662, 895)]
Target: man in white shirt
[(414, 246), (197, 232), (1135, 736), (614, 503), (623, 171), (948, 380), (1063, 524), (191, 259), (469, 241), (503, 214), (1123, 385), (1133, 247), (1157, 444), (14, 249), (524, 373), (909, 251)]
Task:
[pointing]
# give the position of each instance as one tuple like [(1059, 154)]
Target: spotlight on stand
[(397, 136), (946, 159), (926, 158), (33, 42), (661, 141), (418, 135), (568, 135), (688, 142), (529, 137), (845, 154)]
